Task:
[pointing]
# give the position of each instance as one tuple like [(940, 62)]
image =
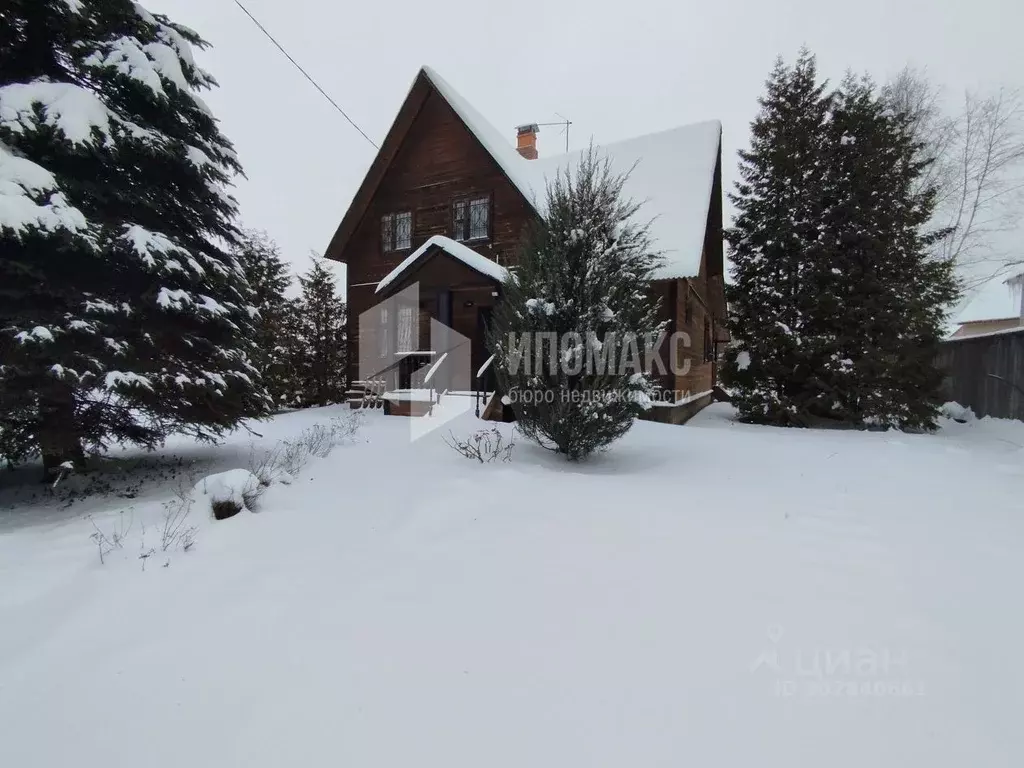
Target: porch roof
[(456, 250)]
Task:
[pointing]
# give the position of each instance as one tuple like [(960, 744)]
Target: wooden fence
[(986, 373)]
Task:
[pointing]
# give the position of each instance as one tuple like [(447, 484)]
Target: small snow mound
[(228, 493), (957, 412), (743, 360)]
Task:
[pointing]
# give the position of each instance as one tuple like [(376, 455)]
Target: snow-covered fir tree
[(123, 316), (889, 293), (774, 243), (268, 277), (583, 279), (836, 306), (321, 336), (294, 356)]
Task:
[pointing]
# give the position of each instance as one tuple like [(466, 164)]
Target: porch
[(426, 337)]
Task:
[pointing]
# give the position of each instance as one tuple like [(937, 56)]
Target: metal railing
[(478, 390), (428, 381)]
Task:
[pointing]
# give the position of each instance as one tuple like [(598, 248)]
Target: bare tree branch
[(976, 156)]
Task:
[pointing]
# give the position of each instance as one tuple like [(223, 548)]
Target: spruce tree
[(322, 338), (42, 231), (891, 294), (268, 278), (582, 279), (294, 356), (121, 317), (773, 367), (836, 306)]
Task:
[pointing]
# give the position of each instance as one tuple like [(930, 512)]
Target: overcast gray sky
[(616, 69)]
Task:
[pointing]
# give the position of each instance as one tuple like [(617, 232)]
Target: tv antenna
[(565, 123)]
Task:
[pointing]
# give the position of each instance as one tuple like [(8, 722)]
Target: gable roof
[(456, 250), (672, 172)]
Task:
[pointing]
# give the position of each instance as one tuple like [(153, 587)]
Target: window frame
[(406, 332), (467, 202), (407, 245), (384, 328), (389, 238), (387, 232)]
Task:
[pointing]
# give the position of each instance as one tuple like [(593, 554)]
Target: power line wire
[(305, 73)]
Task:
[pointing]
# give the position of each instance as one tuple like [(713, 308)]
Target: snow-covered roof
[(456, 250), (672, 172), (995, 300)]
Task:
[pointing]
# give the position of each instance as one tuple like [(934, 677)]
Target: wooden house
[(448, 198)]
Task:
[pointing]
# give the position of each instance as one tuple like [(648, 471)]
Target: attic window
[(396, 232), (471, 219)]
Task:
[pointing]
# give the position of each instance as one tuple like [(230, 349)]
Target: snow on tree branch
[(40, 335), (125, 379), (181, 300), (76, 111), (152, 246), (22, 182)]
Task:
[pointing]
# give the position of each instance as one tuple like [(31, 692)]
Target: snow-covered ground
[(708, 595)]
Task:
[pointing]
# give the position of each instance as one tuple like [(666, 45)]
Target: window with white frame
[(383, 332), (396, 231), (403, 231), (471, 219), (406, 329)]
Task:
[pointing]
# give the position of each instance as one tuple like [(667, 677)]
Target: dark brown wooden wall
[(986, 373), (438, 162), (673, 296)]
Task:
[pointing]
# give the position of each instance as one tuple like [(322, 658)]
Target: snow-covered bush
[(228, 493), (957, 412)]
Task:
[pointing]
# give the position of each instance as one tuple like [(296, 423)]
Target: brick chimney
[(526, 140)]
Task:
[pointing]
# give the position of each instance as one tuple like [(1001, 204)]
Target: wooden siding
[(986, 373), (700, 376)]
